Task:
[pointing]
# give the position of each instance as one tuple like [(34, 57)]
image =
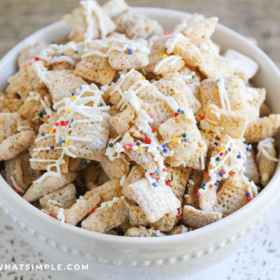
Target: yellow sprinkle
[(212, 126), (140, 148), (175, 139), (165, 56), (200, 145), (143, 78), (73, 97), (176, 94), (51, 131), (177, 120), (48, 64), (68, 111), (207, 130), (152, 228), (223, 148), (67, 142)]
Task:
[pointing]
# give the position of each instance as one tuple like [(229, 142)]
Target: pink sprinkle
[(130, 145), (56, 124), (124, 146), (164, 169), (151, 115), (167, 33)]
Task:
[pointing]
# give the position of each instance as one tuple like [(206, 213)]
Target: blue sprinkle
[(229, 149), (186, 139), (164, 146), (44, 112), (155, 184), (165, 150), (217, 183), (179, 110), (58, 55), (129, 51), (218, 80), (157, 171), (73, 93), (138, 143), (221, 174), (52, 147), (81, 87), (204, 184), (53, 63), (71, 121), (249, 149), (239, 156), (84, 161), (247, 194), (43, 134)]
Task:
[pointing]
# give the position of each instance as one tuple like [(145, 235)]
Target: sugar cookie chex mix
[(128, 129)]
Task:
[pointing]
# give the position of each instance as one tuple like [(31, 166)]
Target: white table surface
[(258, 259)]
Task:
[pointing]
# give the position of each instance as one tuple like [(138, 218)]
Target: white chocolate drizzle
[(111, 202), (54, 202), (16, 185), (92, 7), (60, 215), (23, 127), (170, 60), (125, 44), (268, 143), (223, 94), (170, 43)]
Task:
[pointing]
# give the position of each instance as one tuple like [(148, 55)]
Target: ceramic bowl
[(117, 257)]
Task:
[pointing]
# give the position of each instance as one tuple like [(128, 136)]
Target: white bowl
[(115, 257)]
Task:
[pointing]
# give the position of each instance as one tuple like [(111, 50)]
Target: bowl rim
[(82, 233)]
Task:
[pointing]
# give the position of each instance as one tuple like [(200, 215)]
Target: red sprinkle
[(153, 129), (48, 116), (36, 58), (167, 183), (164, 169), (58, 63), (56, 123), (90, 213), (249, 198), (54, 130), (221, 154), (148, 140), (50, 214), (202, 117), (43, 98), (207, 173), (151, 174), (224, 171), (176, 114), (16, 190)]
